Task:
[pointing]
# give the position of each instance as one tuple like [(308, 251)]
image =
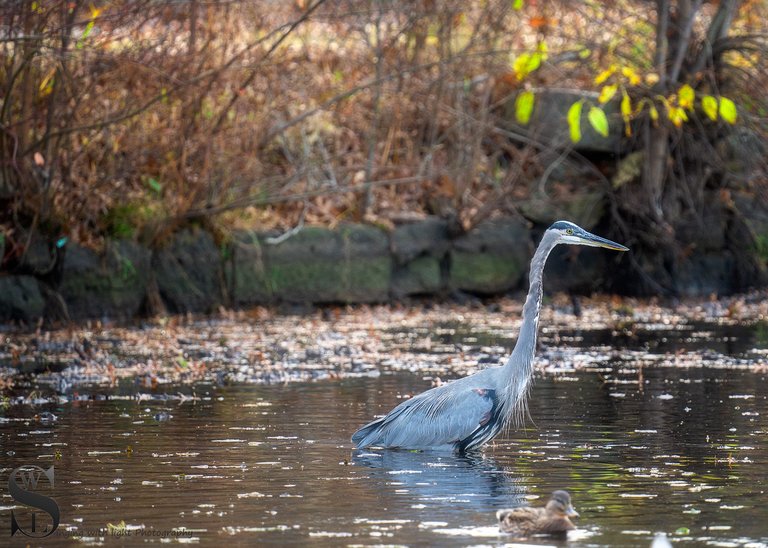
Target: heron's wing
[(458, 414)]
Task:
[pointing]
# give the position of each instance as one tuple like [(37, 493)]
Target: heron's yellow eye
[(569, 231)]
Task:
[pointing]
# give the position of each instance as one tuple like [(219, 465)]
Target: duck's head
[(560, 503)]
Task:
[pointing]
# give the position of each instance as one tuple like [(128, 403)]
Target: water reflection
[(475, 481)]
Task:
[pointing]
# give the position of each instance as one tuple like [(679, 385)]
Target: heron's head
[(569, 233), (560, 503)]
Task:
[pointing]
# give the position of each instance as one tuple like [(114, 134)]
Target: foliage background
[(131, 119)]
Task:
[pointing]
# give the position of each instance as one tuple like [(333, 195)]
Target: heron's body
[(553, 519), (470, 411)]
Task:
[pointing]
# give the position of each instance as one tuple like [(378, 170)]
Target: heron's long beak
[(587, 238), (571, 511)]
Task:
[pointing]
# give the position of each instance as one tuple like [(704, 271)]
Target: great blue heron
[(471, 411)]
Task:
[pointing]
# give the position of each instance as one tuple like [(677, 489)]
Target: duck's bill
[(587, 238), (571, 512)]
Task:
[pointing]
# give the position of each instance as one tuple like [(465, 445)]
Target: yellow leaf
[(585, 53), (603, 76), (709, 106), (686, 96), (542, 48), (630, 75), (626, 106), (727, 110), (574, 121), (599, 121), (524, 107), (607, 93), (677, 116), (653, 112)]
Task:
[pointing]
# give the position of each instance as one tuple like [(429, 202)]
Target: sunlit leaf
[(603, 76), (709, 106), (653, 112), (630, 74), (517, 4), (524, 107), (626, 113), (626, 106), (727, 110), (598, 120), (574, 121), (607, 93), (585, 53), (677, 115), (686, 96), (86, 33), (526, 63), (651, 78)]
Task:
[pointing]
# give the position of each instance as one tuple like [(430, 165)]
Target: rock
[(421, 276), (111, 285), (245, 271), (578, 270), (549, 124), (428, 237), (351, 264), (585, 207), (20, 299), (492, 258), (188, 272)]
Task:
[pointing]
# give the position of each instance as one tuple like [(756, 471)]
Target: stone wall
[(357, 264)]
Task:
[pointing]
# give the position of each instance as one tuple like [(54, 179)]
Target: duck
[(553, 519)]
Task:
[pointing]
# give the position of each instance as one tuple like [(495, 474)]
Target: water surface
[(642, 449)]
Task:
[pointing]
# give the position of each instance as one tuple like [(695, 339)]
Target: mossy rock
[(108, 285), (188, 272), (349, 265), (490, 259), (421, 276), (245, 270)]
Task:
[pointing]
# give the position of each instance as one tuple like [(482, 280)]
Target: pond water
[(642, 449)]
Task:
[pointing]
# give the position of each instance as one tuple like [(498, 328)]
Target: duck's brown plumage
[(553, 519)]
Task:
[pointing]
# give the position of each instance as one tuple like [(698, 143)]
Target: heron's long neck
[(520, 363)]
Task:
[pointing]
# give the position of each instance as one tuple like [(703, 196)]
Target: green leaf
[(155, 185), (709, 106), (524, 107), (574, 121), (2, 246), (517, 4), (682, 531), (728, 110), (599, 121)]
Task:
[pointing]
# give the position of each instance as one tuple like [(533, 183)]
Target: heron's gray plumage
[(469, 412)]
